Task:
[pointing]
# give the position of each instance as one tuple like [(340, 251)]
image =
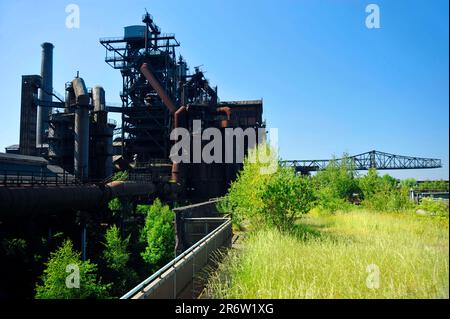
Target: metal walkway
[(182, 277)]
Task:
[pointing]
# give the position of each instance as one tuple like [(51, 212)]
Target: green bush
[(384, 193), (116, 258), (408, 183), (244, 198), (115, 252), (440, 185), (158, 234), (120, 176), (336, 185), (435, 207), (115, 205), (267, 198), (57, 273), (286, 197)]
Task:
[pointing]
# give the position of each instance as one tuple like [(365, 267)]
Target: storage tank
[(134, 31)]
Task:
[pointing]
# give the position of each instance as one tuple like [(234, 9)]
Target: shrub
[(55, 275), (440, 185), (244, 198), (336, 185), (115, 205), (273, 199), (435, 207), (120, 176), (408, 183), (115, 252), (116, 258), (384, 193), (158, 234), (286, 197)]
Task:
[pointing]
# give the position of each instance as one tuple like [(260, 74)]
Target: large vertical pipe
[(47, 86), (98, 98), (81, 151), (30, 84)]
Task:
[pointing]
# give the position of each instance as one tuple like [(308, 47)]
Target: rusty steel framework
[(145, 120), (364, 161)]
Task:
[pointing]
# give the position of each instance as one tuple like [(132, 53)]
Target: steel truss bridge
[(364, 161)]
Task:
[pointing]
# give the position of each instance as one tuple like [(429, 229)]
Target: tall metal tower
[(146, 122)]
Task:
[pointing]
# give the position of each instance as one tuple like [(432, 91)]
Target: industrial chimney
[(47, 86)]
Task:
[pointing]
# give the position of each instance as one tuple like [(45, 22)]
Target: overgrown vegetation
[(279, 198), (384, 193), (433, 185), (357, 223), (59, 280), (273, 200), (158, 234), (333, 256), (116, 257), (120, 176), (309, 237), (335, 186), (128, 253), (434, 207)]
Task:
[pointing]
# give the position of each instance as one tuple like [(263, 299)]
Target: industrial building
[(159, 94)]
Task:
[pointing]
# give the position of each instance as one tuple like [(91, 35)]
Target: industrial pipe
[(49, 199), (175, 168), (81, 147), (158, 88), (47, 86), (227, 111), (177, 114), (98, 98)]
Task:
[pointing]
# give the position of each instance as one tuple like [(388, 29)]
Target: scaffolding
[(146, 122)]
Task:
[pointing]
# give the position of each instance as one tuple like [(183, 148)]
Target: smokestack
[(81, 148), (47, 85)]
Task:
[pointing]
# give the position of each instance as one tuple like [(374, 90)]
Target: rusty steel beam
[(158, 88)]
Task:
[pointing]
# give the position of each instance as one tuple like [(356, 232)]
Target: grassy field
[(341, 256)]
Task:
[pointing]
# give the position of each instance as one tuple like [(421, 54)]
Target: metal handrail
[(174, 261), (17, 177)]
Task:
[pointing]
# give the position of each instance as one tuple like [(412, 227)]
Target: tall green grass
[(328, 256)]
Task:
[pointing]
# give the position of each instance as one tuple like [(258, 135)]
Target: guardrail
[(18, 178), (175, 278)]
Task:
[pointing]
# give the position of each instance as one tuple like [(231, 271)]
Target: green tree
[(115, 252), (286, 197), (116, 258), (62, 264), (439, 185), (158, 234), (244, 198), (336, 184), (408, 183), (384, 193), (268, 197)]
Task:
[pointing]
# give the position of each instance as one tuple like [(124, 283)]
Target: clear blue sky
[(329, 84)]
